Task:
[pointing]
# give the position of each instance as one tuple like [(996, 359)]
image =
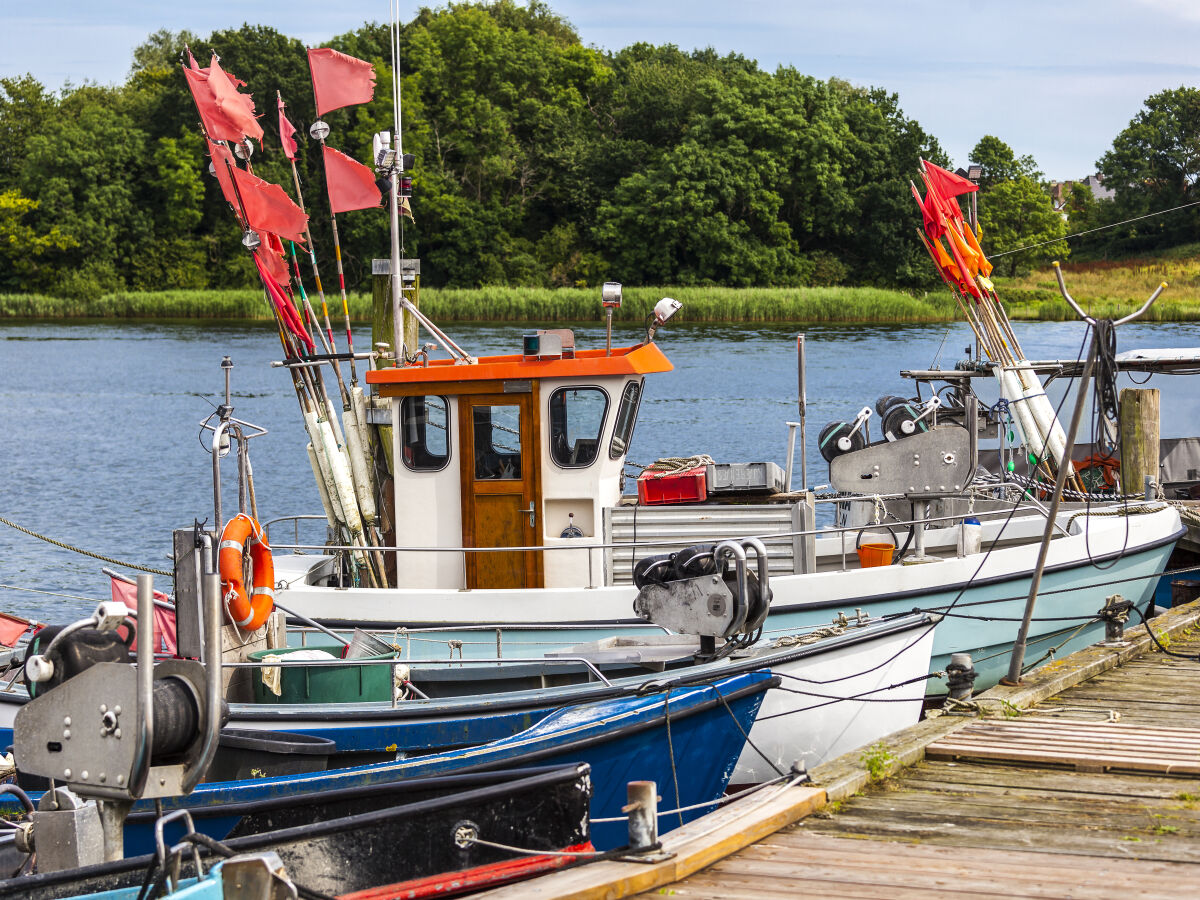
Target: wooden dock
[(1082, 782)]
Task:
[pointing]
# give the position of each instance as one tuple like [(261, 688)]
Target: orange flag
[(351, 184), (339, 80)]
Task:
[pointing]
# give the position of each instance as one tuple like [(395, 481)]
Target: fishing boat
[(488, 490), (444, 832), (688, 732)]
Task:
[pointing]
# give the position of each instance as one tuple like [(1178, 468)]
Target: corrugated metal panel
[(659, 529)]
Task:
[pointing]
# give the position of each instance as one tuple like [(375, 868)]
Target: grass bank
[(1109, 289), (493, 304)]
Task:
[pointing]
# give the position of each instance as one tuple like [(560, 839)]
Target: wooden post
[(1139, 438), (381, 305)]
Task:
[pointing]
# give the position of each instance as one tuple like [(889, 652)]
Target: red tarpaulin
[(11, 628), (238, 108), (164, 618), (286, 130), (269, 208), (339, 80), (351, 184)]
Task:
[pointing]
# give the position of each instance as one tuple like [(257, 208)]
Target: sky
[(1056, 79)]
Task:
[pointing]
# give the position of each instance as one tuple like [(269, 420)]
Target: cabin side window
[(425, 436), (627, 412), (576, 422)]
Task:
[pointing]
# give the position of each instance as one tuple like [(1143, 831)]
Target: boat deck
[(1082, 782)]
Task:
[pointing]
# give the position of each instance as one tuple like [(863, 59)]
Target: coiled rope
[(74, 549)]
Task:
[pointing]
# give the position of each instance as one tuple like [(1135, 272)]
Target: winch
[(706, 590), (110, 732)]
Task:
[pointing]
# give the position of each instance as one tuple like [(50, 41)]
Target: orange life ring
[(246, 612)]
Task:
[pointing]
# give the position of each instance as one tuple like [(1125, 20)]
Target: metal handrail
[(625, 545), (393, 661)]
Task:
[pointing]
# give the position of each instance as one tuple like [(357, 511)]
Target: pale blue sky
[(1057, 80)]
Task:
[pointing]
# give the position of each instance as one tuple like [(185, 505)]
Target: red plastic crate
[(683, 487)]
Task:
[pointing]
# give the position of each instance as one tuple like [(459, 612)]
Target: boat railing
[(842, 532), (284, 663), (500, 631)]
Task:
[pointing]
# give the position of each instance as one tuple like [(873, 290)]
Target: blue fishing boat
[(686, 737)]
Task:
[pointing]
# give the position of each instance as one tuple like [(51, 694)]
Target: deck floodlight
[(610, 294), (974, 173), (610, 297), (319, 130), (663, 310), (381, 150)]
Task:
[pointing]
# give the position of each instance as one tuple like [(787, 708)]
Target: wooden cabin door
[(500, 496)]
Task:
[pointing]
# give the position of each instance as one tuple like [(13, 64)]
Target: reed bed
[(499, 304), (1108, 289)]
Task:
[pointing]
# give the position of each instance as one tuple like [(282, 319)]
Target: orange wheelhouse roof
[(642, 359)]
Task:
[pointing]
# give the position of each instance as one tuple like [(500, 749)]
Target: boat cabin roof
[(641, 359)]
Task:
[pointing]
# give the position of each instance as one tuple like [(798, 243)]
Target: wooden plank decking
[(1006, 811)]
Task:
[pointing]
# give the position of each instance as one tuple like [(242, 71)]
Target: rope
[(16, 587), (728, 798), (531, 852), (674, 465), (671, 749), (66, 546), (1067, 237)]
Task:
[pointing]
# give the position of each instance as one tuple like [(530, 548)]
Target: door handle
[(530, 512)]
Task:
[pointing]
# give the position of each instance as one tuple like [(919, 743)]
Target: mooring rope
[(99, 556)]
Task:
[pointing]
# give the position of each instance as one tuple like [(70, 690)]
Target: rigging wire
[(1067, 237)]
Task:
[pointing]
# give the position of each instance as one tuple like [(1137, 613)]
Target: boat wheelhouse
[(510, 451)]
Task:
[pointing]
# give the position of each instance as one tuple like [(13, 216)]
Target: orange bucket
[(872, 555)]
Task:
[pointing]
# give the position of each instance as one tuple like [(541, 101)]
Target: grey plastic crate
[(744, 478)]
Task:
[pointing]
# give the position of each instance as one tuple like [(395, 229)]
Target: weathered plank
[(1085, 745)]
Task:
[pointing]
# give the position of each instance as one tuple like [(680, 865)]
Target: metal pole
[(398, 345), (803, 398), (145, 665), (1018, 654), (211, 593), (643, 814)]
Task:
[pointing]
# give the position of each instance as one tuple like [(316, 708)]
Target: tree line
[(539, 161)]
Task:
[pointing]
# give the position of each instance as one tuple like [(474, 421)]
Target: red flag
[(238, 108), (282, 304), (351, 184), (222, 161), (947, 183), (930, 216), (286, 130), (271, 254), (339, 80), (269, 208), (164, 617), (218, 125)]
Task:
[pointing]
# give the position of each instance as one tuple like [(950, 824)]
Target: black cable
[(1159, 644), (770, 762)]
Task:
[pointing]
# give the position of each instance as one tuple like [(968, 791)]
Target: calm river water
[(100, 449)]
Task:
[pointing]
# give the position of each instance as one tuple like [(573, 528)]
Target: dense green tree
[(1154, 164), (1000, 163), (1018, 213), (538, 161)]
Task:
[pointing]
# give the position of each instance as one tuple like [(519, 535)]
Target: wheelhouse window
[(576, 422), (425, 435), (627, 412)]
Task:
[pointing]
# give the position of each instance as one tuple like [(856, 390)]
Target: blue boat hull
[(687, 739)]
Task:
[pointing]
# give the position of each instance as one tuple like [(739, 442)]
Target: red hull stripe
[(451, 883)]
